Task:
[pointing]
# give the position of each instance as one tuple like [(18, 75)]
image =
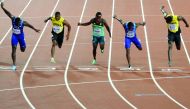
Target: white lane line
[(96, 82), (30, 57), (185, 48), (11, 26), (109, 63), (69, 60), (150, 64)]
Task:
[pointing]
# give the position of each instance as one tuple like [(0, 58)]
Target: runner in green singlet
[(98, 24)]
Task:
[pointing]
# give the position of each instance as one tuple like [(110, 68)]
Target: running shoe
[(169, 63), (93, 61), (52, 60), (13, 67), (102, 51)]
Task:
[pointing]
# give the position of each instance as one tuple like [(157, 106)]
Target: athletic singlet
[(17, 30), (57, 25), (98, 29), (174, 25), (130, 34)]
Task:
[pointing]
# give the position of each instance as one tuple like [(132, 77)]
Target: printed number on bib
[(130, 34), (57, 29), (97, 30), (172, 27), (16, 31)]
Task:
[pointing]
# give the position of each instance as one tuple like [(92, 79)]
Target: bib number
[(130, 34), (172, 27), (98, 30), (16, 31), (57, 29)]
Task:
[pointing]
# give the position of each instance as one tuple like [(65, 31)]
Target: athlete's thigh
[(22, 41), (178, 41), (14, 40), (127, 43), (137, 42)]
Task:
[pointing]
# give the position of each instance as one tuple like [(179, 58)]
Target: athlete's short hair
[(57, 13), (130, 25), (17, 21), (98, 14), (169, 19)]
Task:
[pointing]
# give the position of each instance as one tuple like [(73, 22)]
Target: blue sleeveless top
[(130, 33), (17, 30)]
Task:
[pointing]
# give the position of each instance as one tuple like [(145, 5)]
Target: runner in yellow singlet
[(58, 24), (173, 31), (98, 34)]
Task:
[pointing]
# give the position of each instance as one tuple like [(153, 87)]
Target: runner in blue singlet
[(130, 36), (17, 34)]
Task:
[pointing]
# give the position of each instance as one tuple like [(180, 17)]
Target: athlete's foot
[(13, 67), (52, 60), (93, 61), (102, 51)]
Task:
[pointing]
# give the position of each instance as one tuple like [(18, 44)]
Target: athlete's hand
[(115, 16), (79, 24), (45, 21), (187, 25), (37, 30), (161, 7), (2, 4), (67, 37)]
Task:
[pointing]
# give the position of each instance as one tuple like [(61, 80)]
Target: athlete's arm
[(107, 27), (120, 20), (30, 26), (183, 19), (49, 18), (140, 24), (85, 24), (6, 11), (163, 11), (66, 23)]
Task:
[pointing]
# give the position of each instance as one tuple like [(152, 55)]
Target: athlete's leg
[(128, 57), (127, 47), (178, 41), (22, 42), (137, 43), (54, 43), (102, 44), (14, 55), (14, 42), (94, 44), (170, 45)]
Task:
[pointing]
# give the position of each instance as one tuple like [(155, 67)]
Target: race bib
[(16, 31), (130, 34), (97, 30), (57, 29), (172, 27)]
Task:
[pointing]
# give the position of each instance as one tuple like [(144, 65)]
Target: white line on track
[(30, 57), (186, 52), (69, 60), (96, 82), (11, 26), (109, 63), (150, 64)]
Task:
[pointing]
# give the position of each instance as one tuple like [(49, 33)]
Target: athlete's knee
[(140, 48), (23, 49), (178, 47)]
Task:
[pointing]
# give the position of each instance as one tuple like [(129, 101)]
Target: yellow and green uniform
[(173, 27), (57, 25)]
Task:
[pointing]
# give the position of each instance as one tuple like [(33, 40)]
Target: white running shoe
[(14, 68), (52, 60)]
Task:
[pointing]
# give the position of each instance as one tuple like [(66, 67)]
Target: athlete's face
[(98, 18), (57, 17)]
